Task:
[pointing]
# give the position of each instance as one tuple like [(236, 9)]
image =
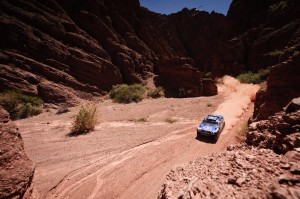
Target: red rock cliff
[(66, 50)]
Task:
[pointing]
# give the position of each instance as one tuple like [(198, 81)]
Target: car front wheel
[(216, 137)]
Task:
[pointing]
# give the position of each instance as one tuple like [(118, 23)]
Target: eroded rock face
[(209, 87), (283, 85), (280, 132), (16, 170), (239, 172), (180, 77), (87, 46), (43, 43), (265, 32)]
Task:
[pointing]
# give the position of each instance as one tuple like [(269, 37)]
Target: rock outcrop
[(280, 132), (239, 172), (16, 170), (283, 85), (179, 78)]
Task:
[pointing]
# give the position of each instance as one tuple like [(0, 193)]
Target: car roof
[(215, 117)]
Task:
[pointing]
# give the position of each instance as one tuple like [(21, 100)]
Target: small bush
[(20, 105), (124, 93), (279, 6), (85, 120), (275, 53), (254, 78), (156, 93), (208, 75), (264, 73), (29, 110), (249, 78), (209, 105), (143, 119), (170, 120), (242, 133), (182, 93)]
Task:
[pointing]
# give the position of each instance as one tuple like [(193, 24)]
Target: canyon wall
[(66, 50)]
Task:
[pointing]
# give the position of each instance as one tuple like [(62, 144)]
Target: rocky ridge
[(280, 132), (240, 172), (65, 50), (16, 170)]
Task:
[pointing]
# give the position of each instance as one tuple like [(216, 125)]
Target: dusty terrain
[(129, 153)]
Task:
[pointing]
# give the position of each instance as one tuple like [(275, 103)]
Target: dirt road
[(129, 153)]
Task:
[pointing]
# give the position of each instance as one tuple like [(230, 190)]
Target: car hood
[(207, 127)]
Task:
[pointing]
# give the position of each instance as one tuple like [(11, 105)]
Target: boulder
[(16, 170), (293, 106)]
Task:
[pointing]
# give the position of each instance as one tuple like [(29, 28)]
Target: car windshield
[(210, 122)]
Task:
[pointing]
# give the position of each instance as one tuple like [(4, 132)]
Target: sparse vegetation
[(242, 132), (278, 53), (85, 120), (170, 120), (20, 105), (62, 109), (254, 78), (207, 75), (124, 93), (275, 53), (279, 6), (209, 105), (143, 119), (181, 93), (156, 93)]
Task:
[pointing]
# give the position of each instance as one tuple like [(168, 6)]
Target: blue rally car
[(212, 125)]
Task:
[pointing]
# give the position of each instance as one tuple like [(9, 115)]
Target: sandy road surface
[(122, 158)]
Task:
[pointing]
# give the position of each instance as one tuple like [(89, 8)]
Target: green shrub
[(254, 78), (29, 110), (249, 78), (124, 93), (156, 93), (85, 120), (20, 105), (264, 73)]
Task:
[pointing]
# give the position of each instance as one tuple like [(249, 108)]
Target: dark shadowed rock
[(283, 85), (89, 46), (180, 78), (265, 32), (293, 106), (209, 87), (16, 170)]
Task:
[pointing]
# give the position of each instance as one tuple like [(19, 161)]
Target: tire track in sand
[(74, 181)]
